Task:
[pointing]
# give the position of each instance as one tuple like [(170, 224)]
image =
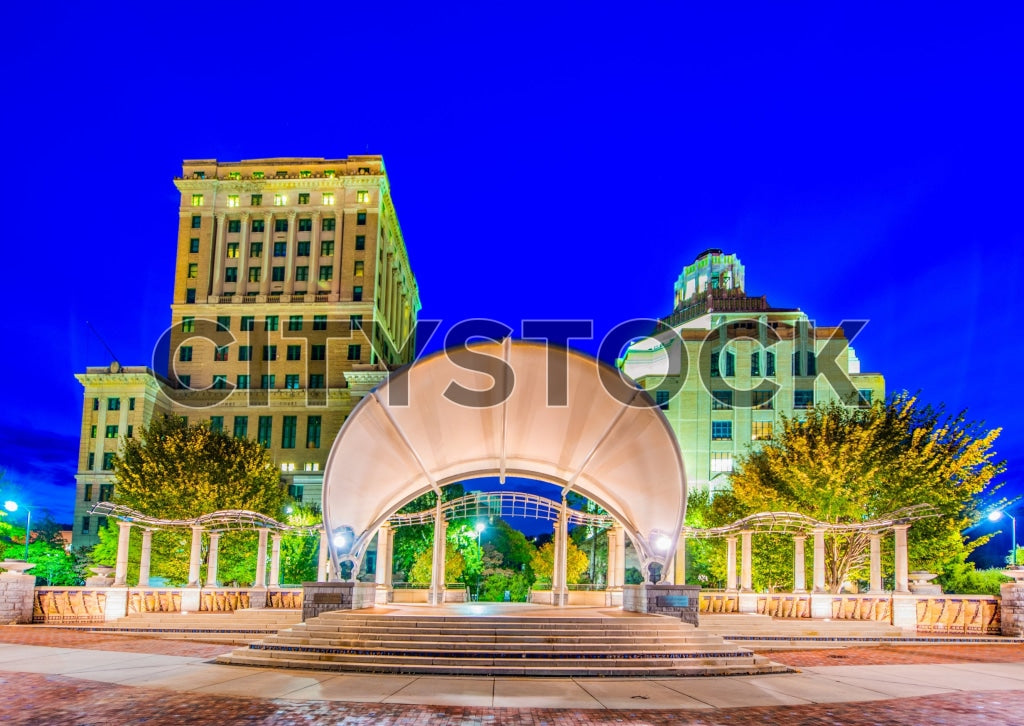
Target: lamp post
[(995, 517), (13, 507), (480, 527)]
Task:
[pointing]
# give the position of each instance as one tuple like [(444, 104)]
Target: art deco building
[(724, 366), (293, 297)]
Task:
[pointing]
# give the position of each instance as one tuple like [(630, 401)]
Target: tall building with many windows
[(724, 366), (293, 297)]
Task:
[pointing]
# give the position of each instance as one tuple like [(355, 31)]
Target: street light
[(480, 527), (13, 507), (995, 517)]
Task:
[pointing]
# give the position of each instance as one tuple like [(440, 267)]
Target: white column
[(875, 580), (559, 580), (730, 564), (313, 274), (195, 557), (902, 567), (746, 576), (268, 252), (799, 566), (124, 533), (322, 557), (437, 574), (616, 557), (243, 257), (385, 540), (289, 265), (819, 560), (339, 226), (275, 561), (680, 561), (211, 560), (144, 558), (261, 560)]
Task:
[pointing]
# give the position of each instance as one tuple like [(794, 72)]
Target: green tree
[(454, 564), (543, 564), (841, 464), (176, 471), (412, 540)]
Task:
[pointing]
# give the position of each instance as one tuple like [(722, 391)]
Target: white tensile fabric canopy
[(445, 418)]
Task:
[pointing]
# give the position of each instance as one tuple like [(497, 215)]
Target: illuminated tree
[(840, 464)]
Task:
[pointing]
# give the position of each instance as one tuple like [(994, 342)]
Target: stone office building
[(725, 365), (293, 297)]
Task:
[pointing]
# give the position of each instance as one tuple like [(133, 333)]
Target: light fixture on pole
[(13, 507), (995, 517)]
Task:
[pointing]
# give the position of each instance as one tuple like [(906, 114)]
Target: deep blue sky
[(545, 162)]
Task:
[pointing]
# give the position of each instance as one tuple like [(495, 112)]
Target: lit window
[(760, 430), (188, 324), (256, 249), (233, 200), (357, 271), (329, 173), (301, 274), (279, 200), (326, 273), (185, 353), (254, 274), (235, 175), (304, 198), (291, 381), (197, 200), (258, 175), (721, 462), (721, 430), (328, 198), (721, 400), (193, 270), (362, 197), (327, 224), (289, 466), (256, 200), (112, 432), (304, 174), (193, 245), (232, 249), (326, 248)]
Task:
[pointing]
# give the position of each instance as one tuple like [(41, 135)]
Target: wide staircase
[(232, 628), (763, 633), (595, 644)]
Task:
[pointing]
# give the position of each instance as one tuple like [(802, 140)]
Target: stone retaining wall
[(16, 593)]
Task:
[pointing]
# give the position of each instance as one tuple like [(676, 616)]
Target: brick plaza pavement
[(49, 698)]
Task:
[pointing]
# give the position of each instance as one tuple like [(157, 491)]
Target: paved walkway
[(99, 679)]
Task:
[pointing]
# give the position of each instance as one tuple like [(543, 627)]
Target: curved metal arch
[(602, 437), (221, 521), (509, 504), (795, 523)]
